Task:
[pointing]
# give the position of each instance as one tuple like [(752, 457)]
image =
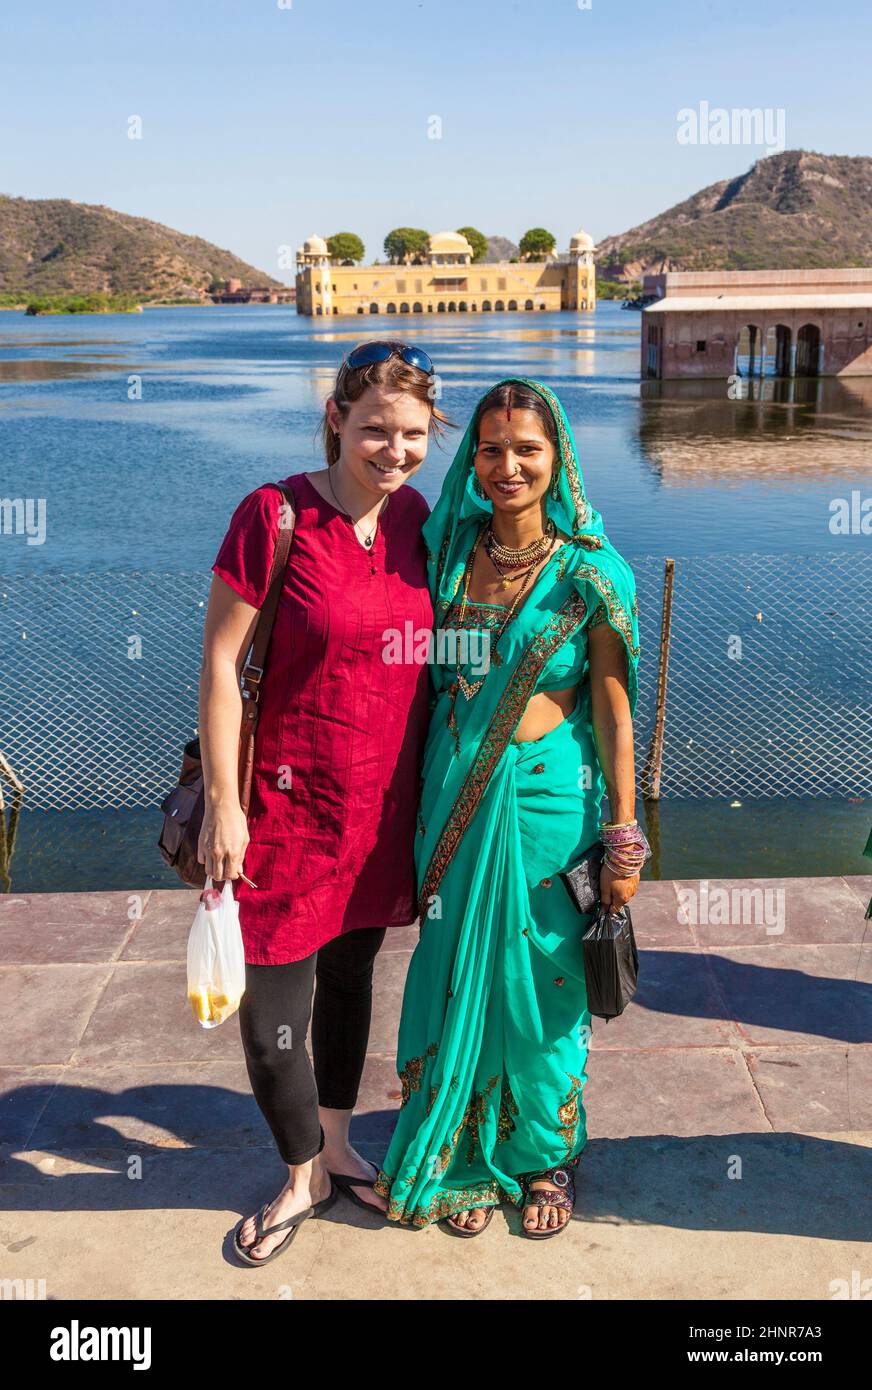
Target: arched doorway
[(417, 309), (440, 307), (528, 303), (513, 303), (404, 308), (499, 305), (486, 306), (360, 311), (808, 350), (462, 307), (392, 308), (373, 308), (782, 350), (749, 350), (452, 307)]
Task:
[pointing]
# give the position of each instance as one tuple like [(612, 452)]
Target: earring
[(477, 487), (555, 486)]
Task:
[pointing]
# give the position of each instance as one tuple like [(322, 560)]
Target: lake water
[(232, 397)]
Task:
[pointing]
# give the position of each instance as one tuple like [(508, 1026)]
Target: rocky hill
[(793, 211), (53, 246)]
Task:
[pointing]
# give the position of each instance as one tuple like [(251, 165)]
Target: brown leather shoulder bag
[(184, 806)]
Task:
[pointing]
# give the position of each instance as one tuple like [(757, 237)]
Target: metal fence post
[(650, 777)]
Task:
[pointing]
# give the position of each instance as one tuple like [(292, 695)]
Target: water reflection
[(692, 431)]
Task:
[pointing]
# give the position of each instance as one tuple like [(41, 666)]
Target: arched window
[(462, 306), (440, 307), (513, 303), (452, 307), (499, 305), (360, 311), (392, 308), (373, 308), (528, 303), (486, 304), (404, 308), (416, 309)]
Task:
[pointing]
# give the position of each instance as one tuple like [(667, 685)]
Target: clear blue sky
[(263, 124)]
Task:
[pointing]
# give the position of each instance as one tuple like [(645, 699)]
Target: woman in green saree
[(494, 1032)]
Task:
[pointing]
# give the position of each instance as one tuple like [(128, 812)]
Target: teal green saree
[(494, 1033)]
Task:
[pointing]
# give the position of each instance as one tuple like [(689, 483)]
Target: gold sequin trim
[(618, 615), (410, 1076), (483, 1194), (569, 1114), (502, 725), (508, 1108)]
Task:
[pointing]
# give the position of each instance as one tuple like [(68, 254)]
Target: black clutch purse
[(582, 881)]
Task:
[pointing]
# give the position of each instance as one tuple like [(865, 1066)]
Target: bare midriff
[(544, 712)]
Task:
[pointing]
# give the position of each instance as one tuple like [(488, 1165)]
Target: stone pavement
[(729, 1117)]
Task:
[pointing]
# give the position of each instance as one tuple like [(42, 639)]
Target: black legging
[(274, 1018)]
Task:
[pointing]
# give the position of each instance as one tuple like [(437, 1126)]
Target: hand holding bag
[(611, 960), (216, 957), (184, 806)]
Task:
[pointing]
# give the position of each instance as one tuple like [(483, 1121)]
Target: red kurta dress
[(340, 738)]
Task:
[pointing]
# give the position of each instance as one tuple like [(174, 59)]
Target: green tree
[(477, 241), (537, 243), (404, 244), (346, 247)]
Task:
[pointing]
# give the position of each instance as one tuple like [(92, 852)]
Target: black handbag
[(611, 960)]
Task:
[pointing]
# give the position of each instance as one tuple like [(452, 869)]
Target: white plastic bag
[(216, 957)]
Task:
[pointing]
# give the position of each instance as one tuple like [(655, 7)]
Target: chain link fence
[(767, 692)]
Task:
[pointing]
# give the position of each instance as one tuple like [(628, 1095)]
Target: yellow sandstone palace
[(448, 282)]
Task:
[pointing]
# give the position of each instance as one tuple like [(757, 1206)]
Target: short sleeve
[(598, 616), (246, 554)]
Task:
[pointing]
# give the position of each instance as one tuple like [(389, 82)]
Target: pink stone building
[(784, 323)]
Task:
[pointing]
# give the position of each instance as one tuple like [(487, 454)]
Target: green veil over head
[(589, 558)]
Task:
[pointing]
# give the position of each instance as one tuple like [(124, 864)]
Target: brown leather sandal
[(448, 1224), (562, 1194)]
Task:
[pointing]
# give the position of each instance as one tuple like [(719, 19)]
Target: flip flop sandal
[(448, 1225), (294, 1222), (344, 1182), (561, 1195)]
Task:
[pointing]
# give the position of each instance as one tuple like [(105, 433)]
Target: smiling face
[(383, 437), (514, 475)]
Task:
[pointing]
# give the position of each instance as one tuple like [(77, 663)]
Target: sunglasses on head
[(380, 352)]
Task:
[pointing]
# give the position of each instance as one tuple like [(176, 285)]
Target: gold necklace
[(514, 558), (507, 579), (471, 688)]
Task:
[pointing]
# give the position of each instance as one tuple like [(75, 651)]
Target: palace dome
[(449, 243), (315, 246), (581, 241)]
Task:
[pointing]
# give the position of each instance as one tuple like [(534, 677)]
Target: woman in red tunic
[(329, 836)]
